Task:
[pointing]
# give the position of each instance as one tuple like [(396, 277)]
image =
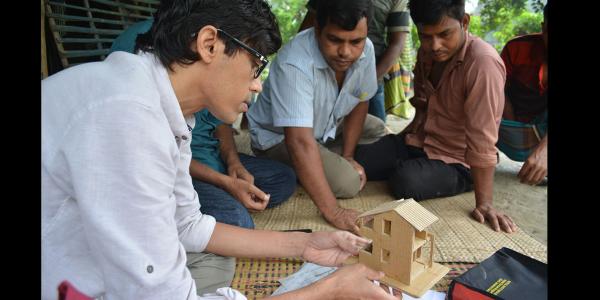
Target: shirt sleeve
[(483, 109), (292, 96), (399, 18), (419, 99), (122, 171)]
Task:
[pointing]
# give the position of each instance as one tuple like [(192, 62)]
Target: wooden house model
[(397, 229)]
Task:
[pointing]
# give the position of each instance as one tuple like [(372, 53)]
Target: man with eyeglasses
[(231, 183), (119, 211), (315, 101)]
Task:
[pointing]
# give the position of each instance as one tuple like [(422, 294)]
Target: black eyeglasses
[(263, 60)]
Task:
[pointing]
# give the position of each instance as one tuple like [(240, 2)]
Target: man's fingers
[(260, 195), (363, 181), (248, 177), (524, 171), (478, 216), (257, 205), (383, 293), (539, 176), (372, 274), (355, 229), (512, 224), (505, 224), (530, 178), (495, 224)]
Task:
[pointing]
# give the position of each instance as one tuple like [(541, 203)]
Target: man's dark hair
[(176, 22), (343, 13), (431, 12)]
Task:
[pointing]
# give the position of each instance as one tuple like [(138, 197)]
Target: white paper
[(430, 295)]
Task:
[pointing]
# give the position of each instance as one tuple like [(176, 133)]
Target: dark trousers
[(409, 172)]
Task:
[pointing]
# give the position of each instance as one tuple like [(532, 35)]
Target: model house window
[(369, 249), (387, 227)]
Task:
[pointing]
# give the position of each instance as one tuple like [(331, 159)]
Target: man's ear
[(465, 21), (207, 43)]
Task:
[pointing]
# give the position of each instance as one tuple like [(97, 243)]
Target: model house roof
[(411, 211)]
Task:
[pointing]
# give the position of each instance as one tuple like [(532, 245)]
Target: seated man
[(316, 98), (450, 144), (388, 29), (523, 135), (119, 211), (230, 184)]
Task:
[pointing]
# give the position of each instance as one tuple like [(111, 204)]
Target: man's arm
[(395, 46), (323, 248), (205, 173), (535, 168), (229, 154), (483, 179), (237, 185), (305, 156), (353, 126), (484, 105)]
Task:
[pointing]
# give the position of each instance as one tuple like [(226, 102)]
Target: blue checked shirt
[(301, 91)]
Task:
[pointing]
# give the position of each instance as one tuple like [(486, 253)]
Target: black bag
[(506, 274)]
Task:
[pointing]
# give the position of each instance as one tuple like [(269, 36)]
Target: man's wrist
[(234, 164), (329, 211), (226, 182), (484, 204), (299, 241)]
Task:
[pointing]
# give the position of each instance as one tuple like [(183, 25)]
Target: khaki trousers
[(210, 271), (342, 178)]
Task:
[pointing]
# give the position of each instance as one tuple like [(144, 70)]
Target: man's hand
[(354, 282), (535, 167), (343, 218), (497, 219), (360, 170), (332, 248), (238, 171), (249, 195)]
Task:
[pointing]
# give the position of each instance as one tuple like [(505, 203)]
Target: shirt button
[(150, 269), (184, 138)]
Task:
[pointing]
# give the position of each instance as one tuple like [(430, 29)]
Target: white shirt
[(119, 210), (301, 91)]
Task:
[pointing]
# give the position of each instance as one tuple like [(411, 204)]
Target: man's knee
[(373, 129), (345, 184), (405, 184), (240, 217), (236, 215), (287, 182), (210, 271)]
